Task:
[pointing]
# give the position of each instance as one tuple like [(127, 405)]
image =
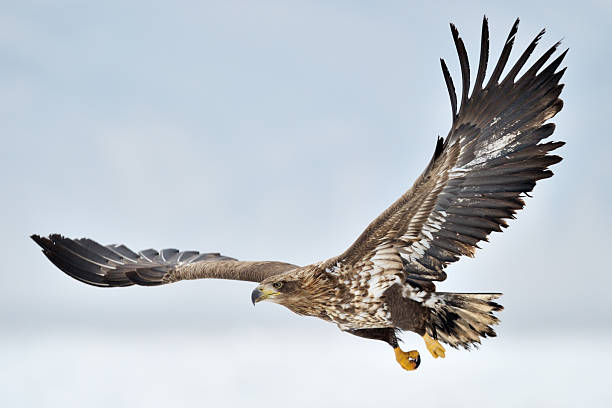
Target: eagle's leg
[(434, 347), (409, 360)]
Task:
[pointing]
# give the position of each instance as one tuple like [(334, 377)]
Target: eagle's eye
[(277, 285)]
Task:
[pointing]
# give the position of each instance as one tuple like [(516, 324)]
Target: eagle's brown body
[(346, 298), (385, 282)]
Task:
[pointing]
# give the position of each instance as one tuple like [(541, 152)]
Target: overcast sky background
[(278, 130)]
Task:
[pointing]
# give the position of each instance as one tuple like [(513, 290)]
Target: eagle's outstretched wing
[(477, 177), (117, 265)]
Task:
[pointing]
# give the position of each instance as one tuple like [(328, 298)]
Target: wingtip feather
[(450, 87)]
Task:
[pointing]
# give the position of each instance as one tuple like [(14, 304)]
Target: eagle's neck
[(318, 291)]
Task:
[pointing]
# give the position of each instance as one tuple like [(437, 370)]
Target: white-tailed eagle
[(384, 283)]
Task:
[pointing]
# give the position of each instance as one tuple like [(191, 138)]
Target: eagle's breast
[(359, 299)]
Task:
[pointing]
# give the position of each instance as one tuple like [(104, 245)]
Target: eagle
[(385, 282)]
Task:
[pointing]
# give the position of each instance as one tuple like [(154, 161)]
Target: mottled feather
[(490, 159)]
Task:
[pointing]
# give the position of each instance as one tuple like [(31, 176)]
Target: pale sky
[(276, 130)]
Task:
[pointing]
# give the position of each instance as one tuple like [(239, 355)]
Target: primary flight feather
[(384, 283)]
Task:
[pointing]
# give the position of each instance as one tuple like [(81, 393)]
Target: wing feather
[(463, 62), (117, 265), (503, 59), (478, 176), (484, 58)]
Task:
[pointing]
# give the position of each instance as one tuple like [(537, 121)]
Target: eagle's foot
[(434, 347), (409, 360)]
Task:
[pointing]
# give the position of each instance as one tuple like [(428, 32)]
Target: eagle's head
[(298, 292), (277, 290)]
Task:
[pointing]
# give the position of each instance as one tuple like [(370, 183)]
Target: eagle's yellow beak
[(262, 292)]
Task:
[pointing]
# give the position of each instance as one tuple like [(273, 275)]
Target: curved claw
[(409, 360)]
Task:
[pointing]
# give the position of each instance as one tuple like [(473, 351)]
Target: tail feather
[(462, 319)]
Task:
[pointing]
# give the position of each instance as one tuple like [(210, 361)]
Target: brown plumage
[(476, 180)]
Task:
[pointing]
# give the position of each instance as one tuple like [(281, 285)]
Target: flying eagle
[(385, 282)]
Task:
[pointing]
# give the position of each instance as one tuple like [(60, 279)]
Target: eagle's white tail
[(461, 319)]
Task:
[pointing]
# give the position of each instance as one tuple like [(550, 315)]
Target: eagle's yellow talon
[(434, 347), (409, 360)]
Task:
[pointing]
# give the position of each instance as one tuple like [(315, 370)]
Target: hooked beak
[(256, 295), (262, 293)]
